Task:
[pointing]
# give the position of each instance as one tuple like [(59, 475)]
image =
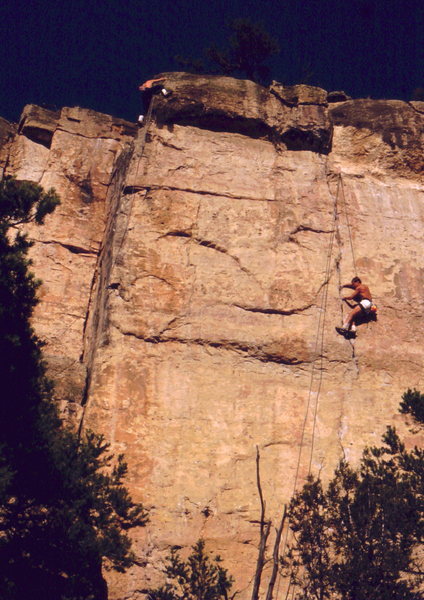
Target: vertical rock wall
[(212, 259), (75, 151)]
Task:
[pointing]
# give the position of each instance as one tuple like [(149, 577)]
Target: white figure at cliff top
[(150, 87)]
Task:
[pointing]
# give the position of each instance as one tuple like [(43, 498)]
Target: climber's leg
[(351, 317)]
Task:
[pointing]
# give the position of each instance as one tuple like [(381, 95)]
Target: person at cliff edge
[(149, 88), (362, 295)]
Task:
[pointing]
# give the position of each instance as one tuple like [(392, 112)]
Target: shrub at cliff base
[(63, 508), (361, 537), (413, 404), (197, 578)]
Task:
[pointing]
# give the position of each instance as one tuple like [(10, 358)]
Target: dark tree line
[(64, 510), (360, 537), (246, 53), (200, 577)]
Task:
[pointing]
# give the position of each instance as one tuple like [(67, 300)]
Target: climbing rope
[(124, 235), (324, 313), (144, 134), (141, 144), (319, 344), (348, 224)]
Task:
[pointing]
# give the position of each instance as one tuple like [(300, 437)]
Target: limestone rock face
[(75, 151), (191, 277), (390, 133), (293, 116)]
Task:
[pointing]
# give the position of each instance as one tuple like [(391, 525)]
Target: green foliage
[(413, 404), (24, 202), (190, 65), (308, 520), (249, 47), (418, 94), (197, 578), (64, 509), (76, 521), (21, 368), (357, 540)]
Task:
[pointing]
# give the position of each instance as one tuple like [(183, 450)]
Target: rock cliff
[(191, 289)]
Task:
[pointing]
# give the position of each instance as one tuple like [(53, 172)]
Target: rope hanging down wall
[(340, 183), (131, 190), (319, 341), (319, 348), (141, 142)]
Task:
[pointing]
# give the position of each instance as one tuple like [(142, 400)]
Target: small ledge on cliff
[(38, 124), (293, 95)]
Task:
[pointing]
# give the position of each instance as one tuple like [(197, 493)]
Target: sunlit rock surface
[(191, 290)]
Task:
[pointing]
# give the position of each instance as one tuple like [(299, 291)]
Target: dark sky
[(95, 53)]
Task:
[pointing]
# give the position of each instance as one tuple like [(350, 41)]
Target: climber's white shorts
[(365, 304)]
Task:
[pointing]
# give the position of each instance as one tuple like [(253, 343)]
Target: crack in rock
[(213, 246), (290, 237), (71, 247), (152, 276), (135, 188), (249, 351), (421, 112), (184, 234), (87, 137), (274, 311), (164, 142), (300, 228)]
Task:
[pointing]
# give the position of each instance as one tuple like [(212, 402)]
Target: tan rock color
[(218, 245), (74, 151)]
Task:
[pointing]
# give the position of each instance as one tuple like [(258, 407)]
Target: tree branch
[(276, 555), (264, 530)]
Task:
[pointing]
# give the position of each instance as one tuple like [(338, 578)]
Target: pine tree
[(197, 578), (246, 53), (413, 404), (64, 510), (250, 46), (358, 539)]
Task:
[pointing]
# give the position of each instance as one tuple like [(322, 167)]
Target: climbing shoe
[(342, 330), (346, 333)]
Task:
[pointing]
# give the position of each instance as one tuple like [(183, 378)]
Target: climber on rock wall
[(149, 88), (362, 296)]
